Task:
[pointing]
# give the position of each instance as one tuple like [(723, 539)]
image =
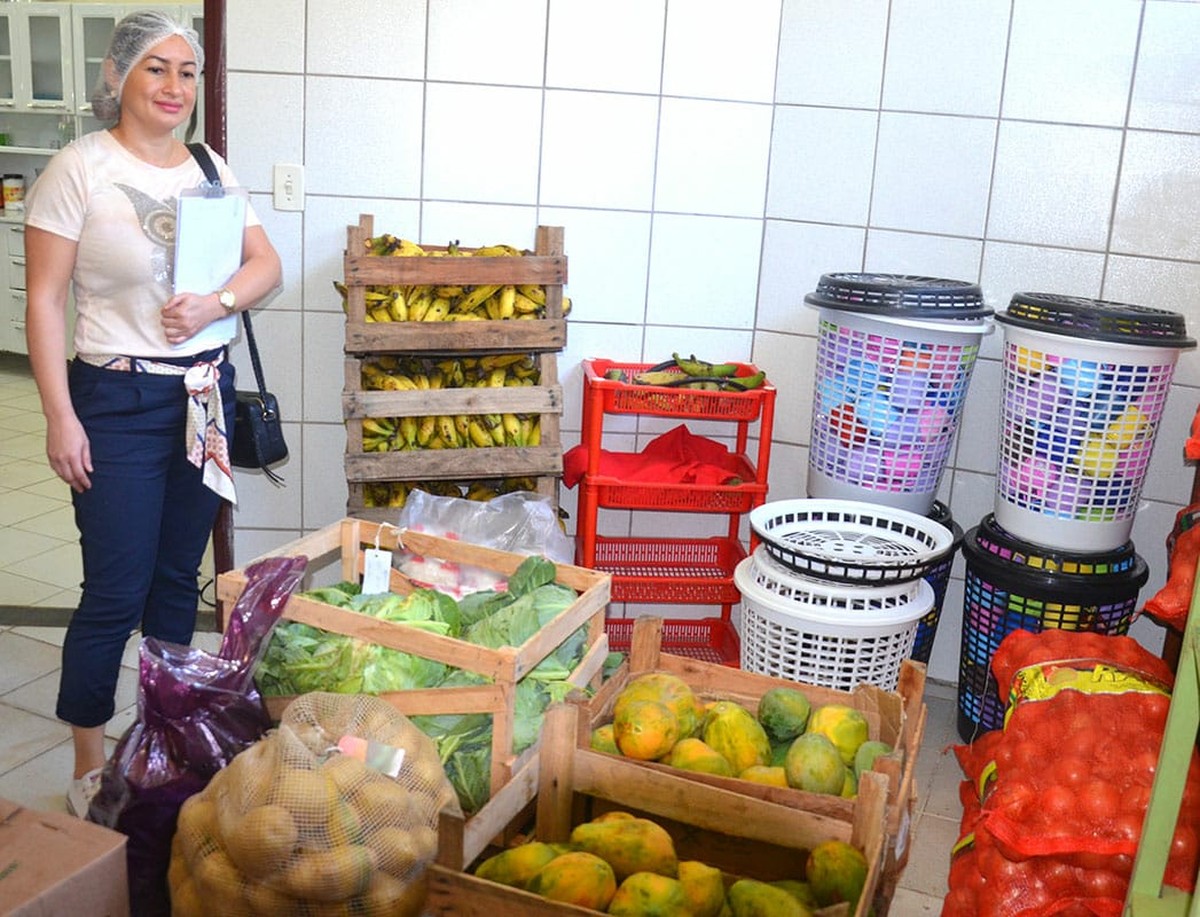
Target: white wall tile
[(481, 143), (1071, 60), (788, 477), (1008, 269), (923, 255), (584, 40), (247, 21), (595, 341), (831, 52), (324, 482), (384, 158), (821, 162), (251, 542), (1166, 93), (946, 57), (795, 255), (712, 157), (366, 38), (479, 224), (323, 358), (1170, 477), (932, 173), (718, 50), (325, 222), (716, 345), (262, 503), (285, 229), (477, 41), (1158, 204), (685, 289), (789, 361), (598, 150), (608, 256), (1053, 184), (980, 416), (262, 126)]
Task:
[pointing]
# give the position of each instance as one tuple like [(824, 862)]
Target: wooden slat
[(533, 399), (455, 464), (503, 336)]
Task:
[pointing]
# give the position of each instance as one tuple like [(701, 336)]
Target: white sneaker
[(82, 791)]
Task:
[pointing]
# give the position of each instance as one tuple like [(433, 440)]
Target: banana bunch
[(450, 431), (393, 373), (393, 494), (449, 302)]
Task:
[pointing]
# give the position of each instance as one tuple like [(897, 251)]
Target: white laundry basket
[(826, 633)]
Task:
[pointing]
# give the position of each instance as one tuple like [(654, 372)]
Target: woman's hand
[(186, 314), (69, 452)]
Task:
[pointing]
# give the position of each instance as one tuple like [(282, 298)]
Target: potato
[(263, 840), (396, 850), (386, 895), (330, 875), (218, 879), (309, 795)]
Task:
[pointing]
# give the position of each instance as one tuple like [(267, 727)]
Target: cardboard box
[(52, 863)]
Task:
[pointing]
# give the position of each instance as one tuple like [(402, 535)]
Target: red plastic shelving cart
[(680, 571)]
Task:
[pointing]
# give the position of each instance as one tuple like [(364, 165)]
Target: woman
[(145, 485)]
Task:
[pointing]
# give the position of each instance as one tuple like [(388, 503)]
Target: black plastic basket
[(938, 577), (900, 296), (1097, 320)]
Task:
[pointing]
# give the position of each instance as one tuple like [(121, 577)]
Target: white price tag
[(377, 571)]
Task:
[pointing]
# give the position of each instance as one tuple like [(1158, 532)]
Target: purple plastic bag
[(196, 712)]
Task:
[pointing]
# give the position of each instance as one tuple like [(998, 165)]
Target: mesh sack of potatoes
[(335, 812)]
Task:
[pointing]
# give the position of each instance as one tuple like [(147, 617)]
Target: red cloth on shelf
[(676, 457)]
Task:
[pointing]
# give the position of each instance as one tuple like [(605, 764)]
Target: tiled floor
[(39, 569)]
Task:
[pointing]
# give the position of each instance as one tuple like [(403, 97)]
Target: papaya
[(629, 845), (669, 690), (603, 740), (693, 755), (843, 725), (733, 732), (516, 865), (764, 773), (814, 765), (578, 878), (751, 898), (864, 758), (836, 872), (779, 752), (703, 887), (645, 730), (784, 713), (798, 890), (648, 894), (849, 785)]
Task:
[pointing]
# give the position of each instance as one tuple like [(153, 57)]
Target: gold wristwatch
[(226, 298)]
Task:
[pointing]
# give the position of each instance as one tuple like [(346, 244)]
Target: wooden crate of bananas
[(451, 377)]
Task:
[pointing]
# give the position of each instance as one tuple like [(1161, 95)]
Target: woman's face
[(160, 89)]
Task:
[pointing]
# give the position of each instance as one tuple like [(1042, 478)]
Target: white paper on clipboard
[(209, 228)]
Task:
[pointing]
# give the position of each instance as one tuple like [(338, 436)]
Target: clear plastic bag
[(520, 522), (196, 712)]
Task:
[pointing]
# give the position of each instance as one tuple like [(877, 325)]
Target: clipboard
[(210, 223)]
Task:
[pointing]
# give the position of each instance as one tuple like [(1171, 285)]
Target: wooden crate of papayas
[(607, 833), (790, 743), (337, 553), (404, 297)]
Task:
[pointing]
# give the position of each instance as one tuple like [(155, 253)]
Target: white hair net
[(131, 40)]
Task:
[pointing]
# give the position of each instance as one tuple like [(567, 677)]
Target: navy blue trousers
[(144, 525)]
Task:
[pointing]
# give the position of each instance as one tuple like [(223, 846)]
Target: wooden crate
[(542, 337), (345, 542), (897, 718), (568, 784)]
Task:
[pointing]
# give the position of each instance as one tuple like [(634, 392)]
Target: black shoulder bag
[(257, 440)]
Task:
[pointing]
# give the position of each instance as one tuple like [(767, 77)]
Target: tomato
[(1103, 883), (1127, 827), (1055, 803), (1184, 845), (1028, 756), (1136, 799), (1071, 770), (1058, 876)]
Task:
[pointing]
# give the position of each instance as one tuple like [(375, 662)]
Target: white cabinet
[(13, 253), (35, 74)]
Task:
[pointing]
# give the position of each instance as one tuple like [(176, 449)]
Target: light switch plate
[(288, 183)]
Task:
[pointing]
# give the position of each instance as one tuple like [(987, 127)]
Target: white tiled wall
[(709, 161)]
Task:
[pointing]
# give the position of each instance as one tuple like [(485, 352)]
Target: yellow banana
[(447, 431), (495, 251), (480, 491), (437, 312), (408, 432), (534, 292), (379, 313), (512, 430), (566, 306), (495, 428), (422, 381), (397, 306), (448, 292), (378, 426), (462, 424), (497, 360), (495, 379), (531, 428), (479, 436), (507, 301), (466, 317), (426, 428), (475, 296), (523, 305), (407, 249), (436, 379), (397, 382), (418, 305)]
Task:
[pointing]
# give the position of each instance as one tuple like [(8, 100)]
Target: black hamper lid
[(1097, 320), (900, 296)]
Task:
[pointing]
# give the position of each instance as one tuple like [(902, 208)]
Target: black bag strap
[(200, 152)]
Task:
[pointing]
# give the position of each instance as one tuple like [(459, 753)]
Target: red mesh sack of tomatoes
[(1169, 606), (1021, 649), (977, 760), (985, 882), (1073, 779)]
